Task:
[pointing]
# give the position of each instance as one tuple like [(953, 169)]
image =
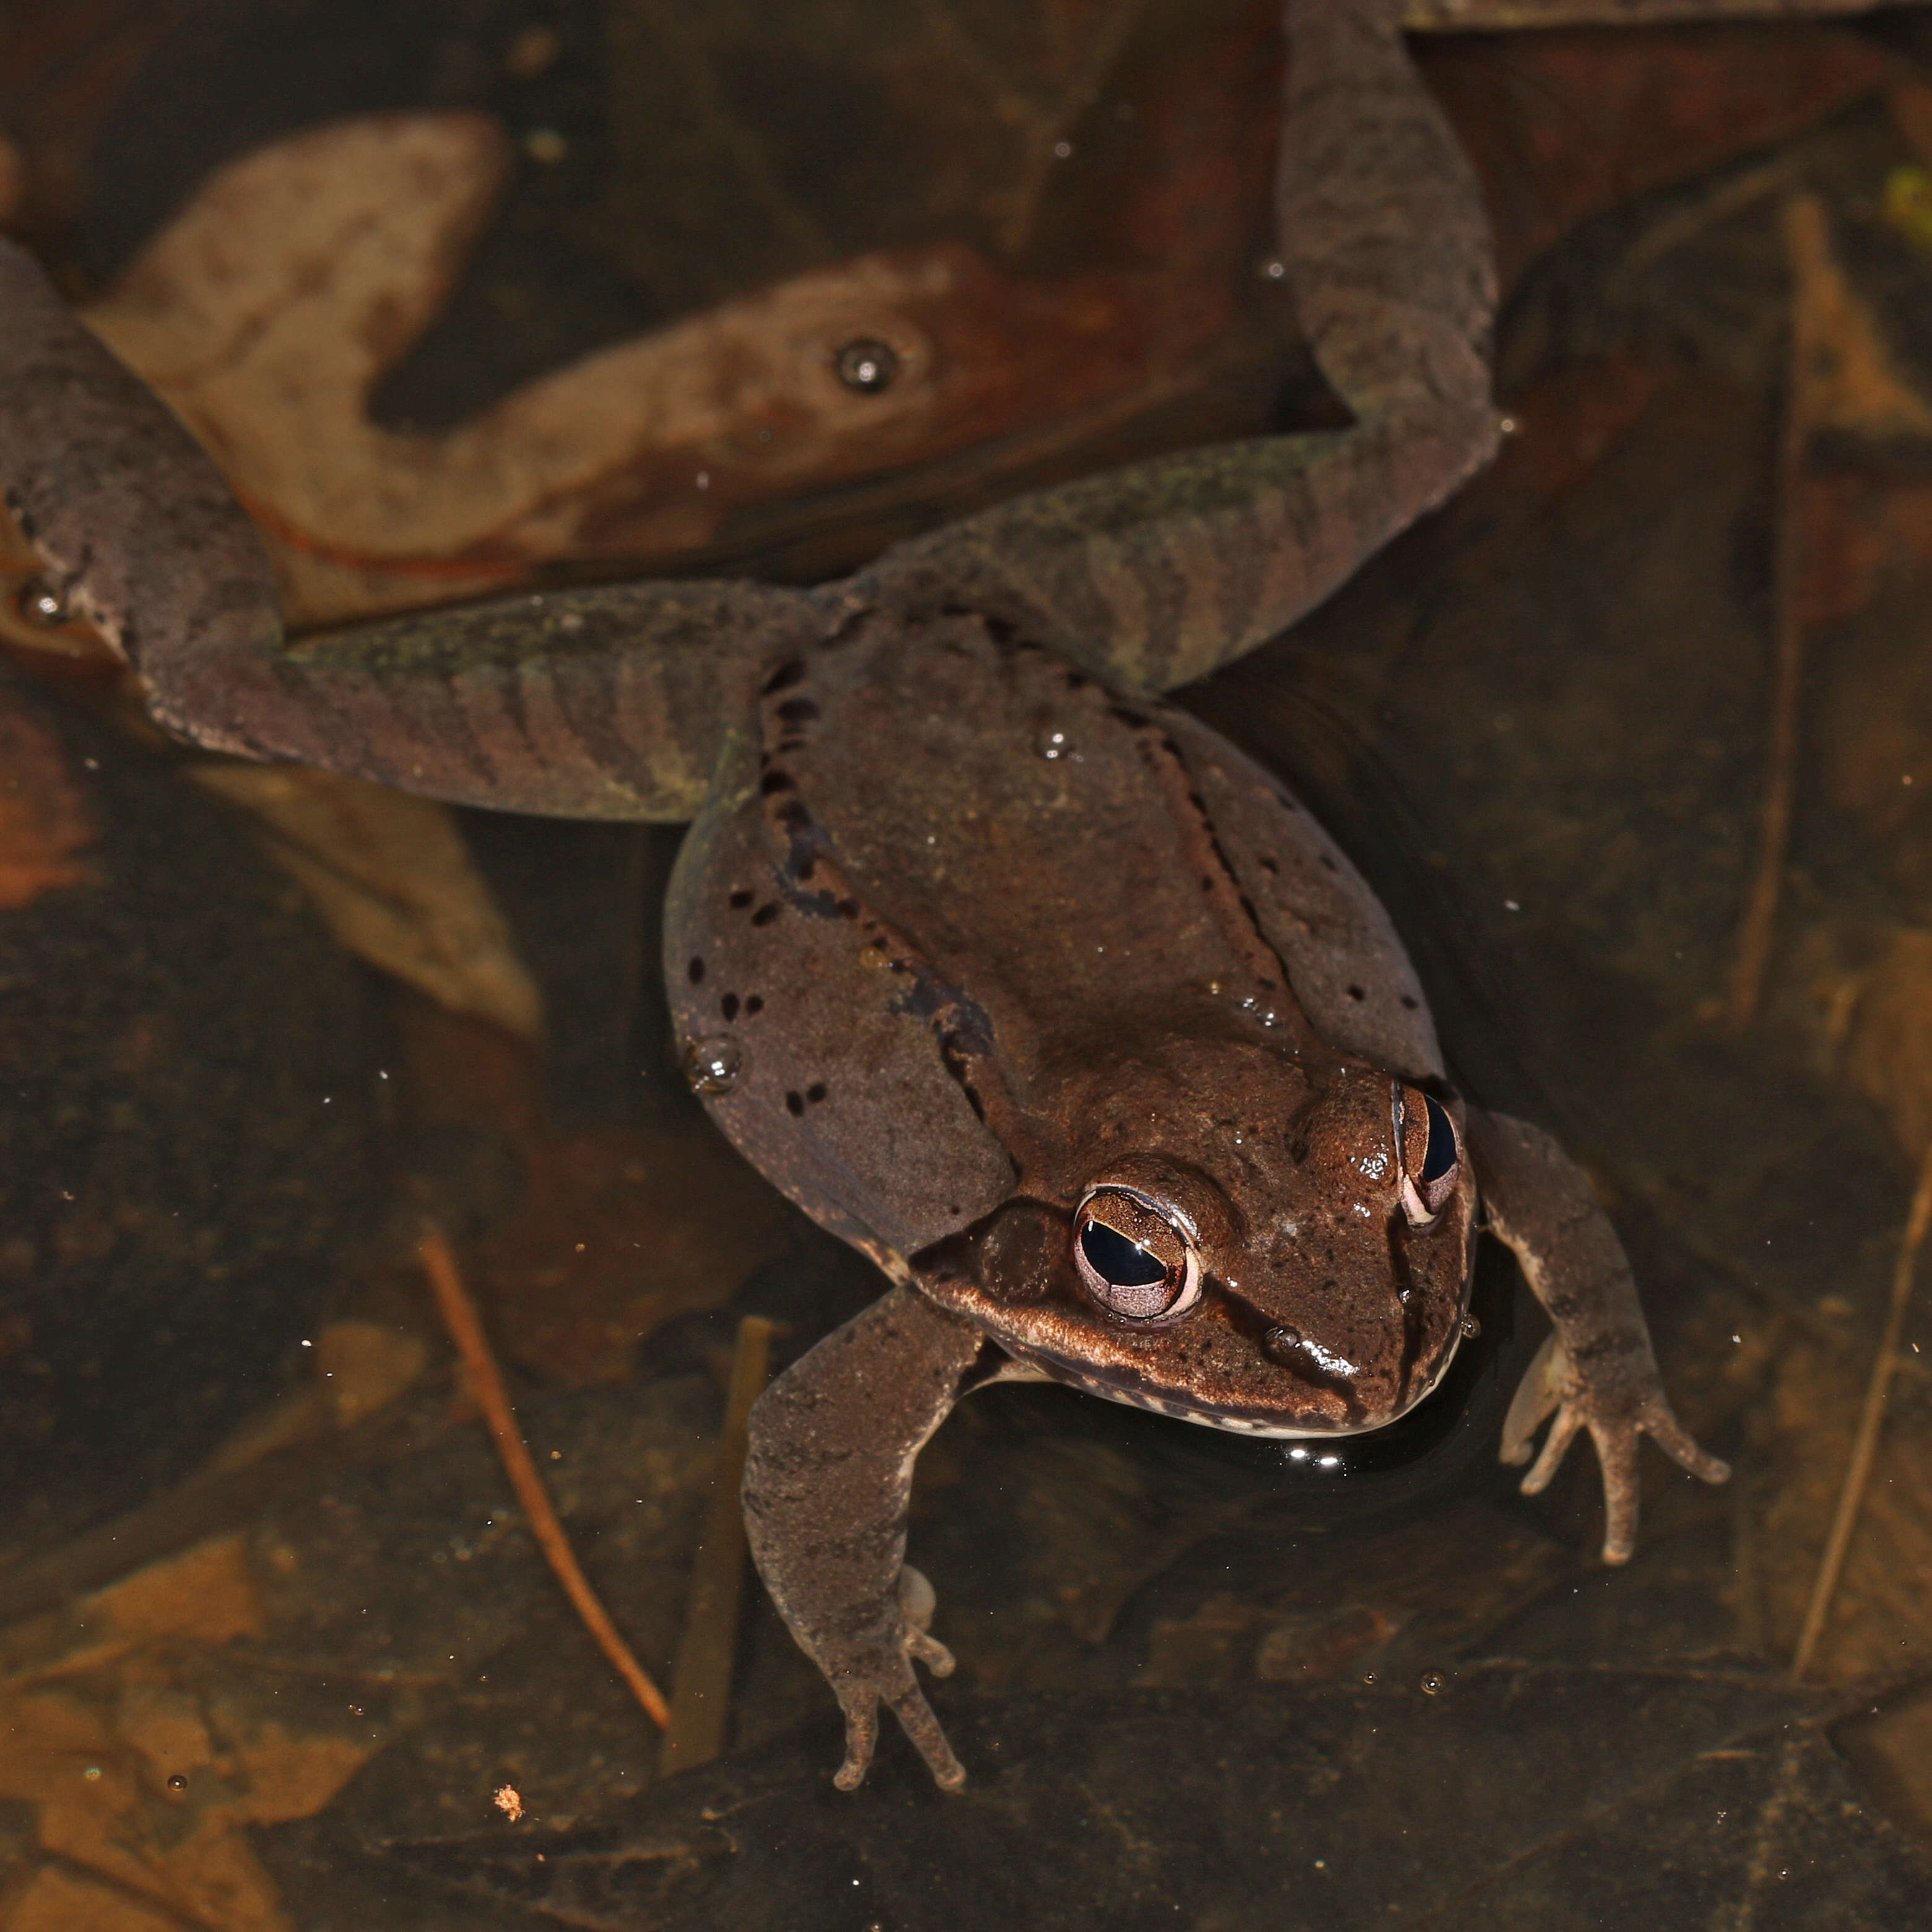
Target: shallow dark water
[(1197, 1687)]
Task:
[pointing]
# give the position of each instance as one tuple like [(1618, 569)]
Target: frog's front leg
[(1596, 1370), (612, 703), (827, 1480)]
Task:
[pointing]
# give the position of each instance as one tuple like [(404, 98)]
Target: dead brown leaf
[(144, 1771), (622, 1230), (1856, 383), (266, 310), (391, 875), (1888, 1051), (1880, 1623), (45, 823)]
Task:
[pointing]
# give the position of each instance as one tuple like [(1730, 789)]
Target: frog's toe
[(1538, 1397), (915, 1715), (861, 1735), (1676, 1441), (1616, 1456), (1563, 1432), (886, 1678), (931, 1652), (908, 1703)]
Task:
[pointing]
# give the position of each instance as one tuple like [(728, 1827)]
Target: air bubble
[(867, 366), (1471, 1327), (712, 1065), (40, 603), (1431, 1682), (1051, 744)]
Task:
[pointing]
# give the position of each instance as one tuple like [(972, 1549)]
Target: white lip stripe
[(1182, 1411)]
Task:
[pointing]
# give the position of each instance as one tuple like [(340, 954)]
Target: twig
[(486, 1384), (1804, 218), (701, 1690), (1864, 1445)]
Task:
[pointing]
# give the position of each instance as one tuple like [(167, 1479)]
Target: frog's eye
[(1427, 1152), (1135, 1259)]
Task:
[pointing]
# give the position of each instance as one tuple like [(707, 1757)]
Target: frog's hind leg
[(1156, 574), (600, 703)]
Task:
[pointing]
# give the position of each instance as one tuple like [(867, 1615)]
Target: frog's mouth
[(1189, 1406)]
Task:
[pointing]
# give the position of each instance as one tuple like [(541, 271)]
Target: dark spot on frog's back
[(754, 1003), (740, 899), (798, 710), (775, 781), (765, 913), (794, 1103), (728, 1005), (787, 675), (694, 972)]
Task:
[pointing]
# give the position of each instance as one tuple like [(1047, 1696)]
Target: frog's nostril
[(1293, 1350)]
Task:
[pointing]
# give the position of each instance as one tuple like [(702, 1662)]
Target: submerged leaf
[(45, 823), (392, 876)]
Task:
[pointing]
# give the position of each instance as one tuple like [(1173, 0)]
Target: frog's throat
[(1186, 1408)]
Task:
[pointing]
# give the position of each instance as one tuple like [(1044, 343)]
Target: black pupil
[(1440, 1155), (1115, 1258)]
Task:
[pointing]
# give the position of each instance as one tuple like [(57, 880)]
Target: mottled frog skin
[(1007, 971)]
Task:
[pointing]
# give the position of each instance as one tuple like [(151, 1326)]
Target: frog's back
[(940, 833)]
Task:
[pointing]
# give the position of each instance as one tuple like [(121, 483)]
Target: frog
[(1006, 969)]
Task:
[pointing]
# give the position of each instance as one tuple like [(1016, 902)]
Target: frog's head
[(1236, 1238)]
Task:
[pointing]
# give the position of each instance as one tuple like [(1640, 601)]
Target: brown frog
[(1009, 973)]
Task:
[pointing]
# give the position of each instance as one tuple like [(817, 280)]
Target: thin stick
[(1804, 219), (486, 1384), (1864, 1446), (701, 1690)]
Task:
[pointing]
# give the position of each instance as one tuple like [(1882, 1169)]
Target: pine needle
[(1864, 1446), (487, 1386)]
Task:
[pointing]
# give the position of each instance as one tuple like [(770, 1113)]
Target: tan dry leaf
[(267, 309), (391, 875), (206, 1594), (1888, 1051), (365, 1366), (1854, 382), (94, 1743), (57, 1900)]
